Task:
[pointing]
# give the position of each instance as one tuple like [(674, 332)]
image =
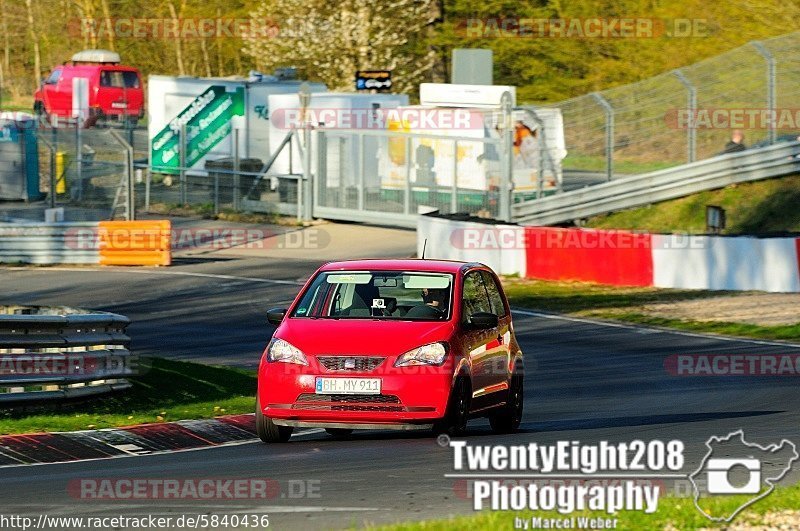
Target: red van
[(115, 91)]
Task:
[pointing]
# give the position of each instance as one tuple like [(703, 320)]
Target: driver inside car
[(435, 306)]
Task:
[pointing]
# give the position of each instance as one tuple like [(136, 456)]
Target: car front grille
[(348, 402), (350, 363)]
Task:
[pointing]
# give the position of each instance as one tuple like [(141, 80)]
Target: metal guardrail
[(56, 353), (718, 172), (52, 243)]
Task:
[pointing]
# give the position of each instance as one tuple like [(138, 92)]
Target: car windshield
[(378, 295)]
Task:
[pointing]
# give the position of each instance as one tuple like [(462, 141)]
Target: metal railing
[(644, 126), (750, 165), (58, 353), (400, 179), (51, 243)]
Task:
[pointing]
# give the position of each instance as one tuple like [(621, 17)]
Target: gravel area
[(764, 309)]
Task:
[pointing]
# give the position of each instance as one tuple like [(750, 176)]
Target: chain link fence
[(646, 126), (88, 169)]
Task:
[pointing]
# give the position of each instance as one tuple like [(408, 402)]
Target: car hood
[(356, 336)]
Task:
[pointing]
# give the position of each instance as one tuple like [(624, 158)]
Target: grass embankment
[(598, 164), (672, 513), (165, 391), (760, 207), (627, 304)]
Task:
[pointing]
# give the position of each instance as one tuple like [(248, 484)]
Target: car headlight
[(431, 354), (283, 351)]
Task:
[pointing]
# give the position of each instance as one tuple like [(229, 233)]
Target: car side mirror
[(482, 320), (275, 315)]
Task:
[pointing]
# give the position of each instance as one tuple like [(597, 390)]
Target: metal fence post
[(51, 199), (236, 177), (407, 189), (454, 189), (540, 162), (79, 160), (147, 180), (130, 203), (609, 110), (322, 168), (182, 162), (308, 185), (360, 189), (507, 168), (691, 102), (771, 99)]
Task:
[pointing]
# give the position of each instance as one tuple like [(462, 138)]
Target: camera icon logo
[(718, 480), (734, 467)]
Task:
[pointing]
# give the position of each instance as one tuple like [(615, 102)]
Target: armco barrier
[(52, 353), (103, 242), (619, 258)]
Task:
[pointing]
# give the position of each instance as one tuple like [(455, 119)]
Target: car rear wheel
[(509, 417), (455, 421), (339, 433), (268, 431)]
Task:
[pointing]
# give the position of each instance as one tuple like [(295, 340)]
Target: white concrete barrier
[(501, 247), (726, 263), (741, 263)]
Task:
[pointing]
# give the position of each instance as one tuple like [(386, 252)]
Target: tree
[(34, 36), (330, 41)]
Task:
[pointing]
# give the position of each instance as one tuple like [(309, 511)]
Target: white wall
[(725, 263), (500, 247)]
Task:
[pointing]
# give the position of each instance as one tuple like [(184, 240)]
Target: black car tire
[(508, 418), (268, 431), (455, 421)]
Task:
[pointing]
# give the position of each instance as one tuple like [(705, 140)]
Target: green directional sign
[(207, 120)]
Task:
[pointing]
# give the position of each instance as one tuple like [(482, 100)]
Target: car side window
[(474, 298), (498, 308), (55, 75)]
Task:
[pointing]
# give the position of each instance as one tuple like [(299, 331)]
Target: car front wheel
[(455, 422), (268, 431)]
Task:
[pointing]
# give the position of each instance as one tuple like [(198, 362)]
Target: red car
[(403, 344), (115, 90)]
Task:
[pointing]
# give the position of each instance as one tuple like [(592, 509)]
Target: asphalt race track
[(584, 381)]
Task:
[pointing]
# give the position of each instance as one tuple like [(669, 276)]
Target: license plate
[(116, 105), (348, 386)]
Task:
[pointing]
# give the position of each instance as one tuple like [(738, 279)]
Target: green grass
[(625, 304), (598, 163), (165, 391), (672, 513), (752, 208), (570, 297)]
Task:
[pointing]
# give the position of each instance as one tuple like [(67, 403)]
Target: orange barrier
[(135, 243)]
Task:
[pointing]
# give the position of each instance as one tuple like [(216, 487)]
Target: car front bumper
[(410, 397)]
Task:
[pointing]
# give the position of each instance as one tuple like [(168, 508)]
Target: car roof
[(409, 264)]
